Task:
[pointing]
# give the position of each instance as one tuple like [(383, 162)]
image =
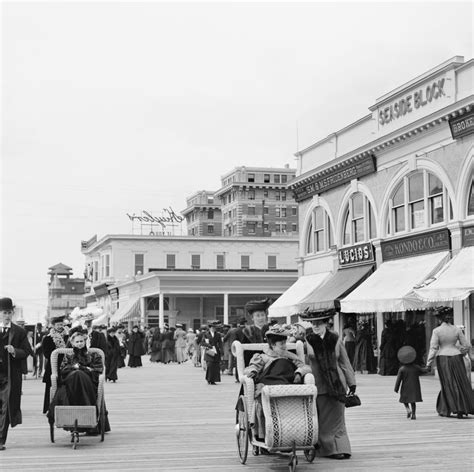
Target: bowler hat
[(406, 355), (6, 304), (309, 315), (257, 305)]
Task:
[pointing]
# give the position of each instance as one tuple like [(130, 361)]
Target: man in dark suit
[(14, 349), (235, 334)]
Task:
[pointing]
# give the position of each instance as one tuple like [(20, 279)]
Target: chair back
[(55, 370), (241, 351)]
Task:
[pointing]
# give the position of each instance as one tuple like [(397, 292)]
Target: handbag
[(352, 400), (211, 352)]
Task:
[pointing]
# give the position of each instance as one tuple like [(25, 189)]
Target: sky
[(111, 108)]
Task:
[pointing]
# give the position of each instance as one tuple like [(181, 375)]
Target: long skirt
[(181, 355), (351, 349), (213, 371), (332, 434), (456, 394), (111, 366), (134, 361)]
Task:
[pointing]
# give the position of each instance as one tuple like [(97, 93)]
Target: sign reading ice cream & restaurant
[(334, 176), (356, 255), (416, 245)]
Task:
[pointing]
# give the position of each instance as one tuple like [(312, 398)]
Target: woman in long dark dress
[(456, 394), (364, 358), (333, 375), (388, 364), (56, 338), (212, 341), (113, 356), (156, 345), (78, 376), (136, 347)]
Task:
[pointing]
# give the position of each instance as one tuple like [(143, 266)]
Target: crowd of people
[(333, 361)]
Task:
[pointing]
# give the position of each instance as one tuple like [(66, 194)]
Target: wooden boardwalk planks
[(166, 418)]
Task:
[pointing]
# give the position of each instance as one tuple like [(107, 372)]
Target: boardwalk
[(166, 418)]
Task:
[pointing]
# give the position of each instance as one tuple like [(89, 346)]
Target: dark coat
[(49, 346), (112, 357), (252, 334), (16, 368), (409, 379), (209, 341), (99, 340), (136, 346)]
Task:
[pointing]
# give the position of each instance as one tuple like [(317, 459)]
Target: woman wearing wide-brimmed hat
[(456, 394), (258, 311), (275, 366), (333, 375), (212, 344)]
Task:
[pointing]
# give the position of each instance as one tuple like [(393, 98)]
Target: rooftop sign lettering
[(412, 101), (169, 217)]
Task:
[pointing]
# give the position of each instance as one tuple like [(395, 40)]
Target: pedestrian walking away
[(408, 380), (456, 394), (14, 349)]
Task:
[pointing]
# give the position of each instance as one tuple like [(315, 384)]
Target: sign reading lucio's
[(359, 254), (412, 101)]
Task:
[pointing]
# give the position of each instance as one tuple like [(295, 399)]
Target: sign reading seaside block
[(334, 176), (462, 126), (355, 255), (425, 243)]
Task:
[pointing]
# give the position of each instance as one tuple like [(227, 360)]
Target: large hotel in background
[(242, 243), (252, 201)]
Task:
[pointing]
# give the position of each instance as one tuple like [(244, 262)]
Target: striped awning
[(127, 310)]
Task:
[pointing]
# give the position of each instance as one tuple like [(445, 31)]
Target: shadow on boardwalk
[(166, 418)]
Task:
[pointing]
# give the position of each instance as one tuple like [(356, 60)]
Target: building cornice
[(383, 143)]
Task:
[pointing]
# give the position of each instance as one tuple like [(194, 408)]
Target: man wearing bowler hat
[(14, 349)]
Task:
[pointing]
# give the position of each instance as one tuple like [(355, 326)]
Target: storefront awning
[(127, 311), (455, 281), (390, 287), (328, 294), (288, 303)]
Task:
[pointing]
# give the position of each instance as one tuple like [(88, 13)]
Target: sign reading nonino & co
[(416, 245), (334, 177), (356, 255), (462, 125)]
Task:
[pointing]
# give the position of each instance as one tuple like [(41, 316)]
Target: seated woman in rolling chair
[(275, 366), (78, 375)]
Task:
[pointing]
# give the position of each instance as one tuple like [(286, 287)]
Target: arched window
[(359, 220), (154, 304), (470, 199), (320, 235), (419, 201)]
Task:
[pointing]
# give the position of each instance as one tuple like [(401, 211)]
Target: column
[(161, 313), (380, 327), (226, 308), (142, 311)]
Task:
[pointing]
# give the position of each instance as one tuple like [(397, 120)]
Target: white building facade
[(153, 280), (394, 190)]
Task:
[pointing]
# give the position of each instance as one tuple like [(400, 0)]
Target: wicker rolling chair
[(76, 417), (289, 410)]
